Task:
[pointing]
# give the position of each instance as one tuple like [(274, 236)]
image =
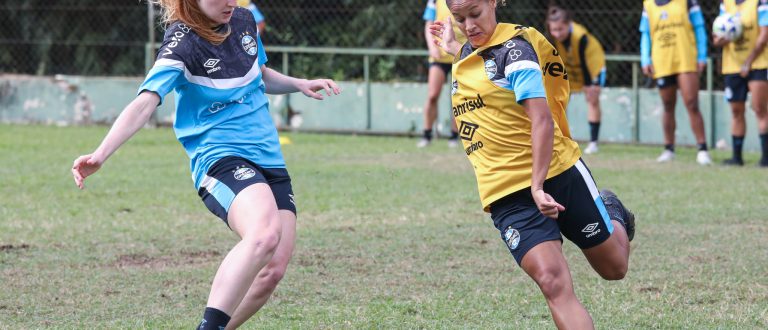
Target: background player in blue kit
[(257, 15), (213, 58)]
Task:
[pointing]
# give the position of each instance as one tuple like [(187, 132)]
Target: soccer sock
[(454, 135), (738, 144), (428, 134), (669, 147), (594, 131), (703, 146), (213, 319), (764, 145)]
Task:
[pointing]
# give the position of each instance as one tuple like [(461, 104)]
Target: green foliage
[(107, 37)]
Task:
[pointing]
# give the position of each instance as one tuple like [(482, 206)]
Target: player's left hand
[(310, 88), (546, 204), (701, 66), (745, 69)]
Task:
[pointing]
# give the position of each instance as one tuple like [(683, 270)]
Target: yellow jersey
[(437, 10), (584, 57), (673, 43), (735, 53), (494, 127)]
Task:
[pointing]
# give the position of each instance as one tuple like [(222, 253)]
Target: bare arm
[(542, 140), (278, 83), (135, 115)]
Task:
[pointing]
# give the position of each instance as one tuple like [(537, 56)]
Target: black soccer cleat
[(763, 162), (733, 162), (617, 211)]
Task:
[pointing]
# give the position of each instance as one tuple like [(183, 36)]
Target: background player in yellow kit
[(673, 50), (745, 66), (509, 94), (584, 59), (439, 67)]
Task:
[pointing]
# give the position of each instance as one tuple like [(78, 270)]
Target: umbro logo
[(591, 229), (211, 62)]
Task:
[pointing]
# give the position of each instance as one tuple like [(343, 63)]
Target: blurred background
[(109, 37)]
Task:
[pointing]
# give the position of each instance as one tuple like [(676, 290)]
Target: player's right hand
[(546, 204), (648, 70), (444, 36), (83, 167)]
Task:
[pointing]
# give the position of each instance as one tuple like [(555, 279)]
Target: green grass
[(388, 237)]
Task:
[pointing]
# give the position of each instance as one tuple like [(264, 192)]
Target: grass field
[(389, 237)]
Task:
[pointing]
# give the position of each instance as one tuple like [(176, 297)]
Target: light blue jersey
[(221, 105)]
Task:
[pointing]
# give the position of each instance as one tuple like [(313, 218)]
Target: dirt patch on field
[(12, 247), (181, 258)]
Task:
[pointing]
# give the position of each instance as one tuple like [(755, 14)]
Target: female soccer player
[(673, 50), (585, 62), (213, 57), (745, 66), (509, 99), (439, 67)]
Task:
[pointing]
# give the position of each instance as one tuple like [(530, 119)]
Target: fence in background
[(108, 37)]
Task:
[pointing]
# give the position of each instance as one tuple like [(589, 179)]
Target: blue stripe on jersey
[(527, 83), (762, 13), (430, 13)]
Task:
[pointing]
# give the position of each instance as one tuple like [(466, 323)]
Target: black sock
[(213, 319), (738, 144), (428, 134), (703, 146), (594, 131), (454, 135), (764, 145), (669, 147)]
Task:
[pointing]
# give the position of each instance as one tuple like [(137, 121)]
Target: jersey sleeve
[(722, 7), (645, 40), (697, 20), (262, 53), (257, 15), (522, 70), (430, 13), (168, 71), (762, 13)]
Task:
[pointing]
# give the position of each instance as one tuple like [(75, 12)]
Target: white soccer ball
[(727, 26)]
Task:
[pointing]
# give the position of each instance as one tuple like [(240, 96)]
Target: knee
[(551, 283), (669, 106), (614, 272), (692, 105), (737, 113), (271, 276), (264, 242), (433, 97)]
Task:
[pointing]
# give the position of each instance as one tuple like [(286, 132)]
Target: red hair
[(189, 13)]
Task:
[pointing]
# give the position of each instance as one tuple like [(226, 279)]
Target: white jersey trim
[(520, 65)]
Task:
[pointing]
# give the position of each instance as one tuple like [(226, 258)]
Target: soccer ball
[(727, 26)]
